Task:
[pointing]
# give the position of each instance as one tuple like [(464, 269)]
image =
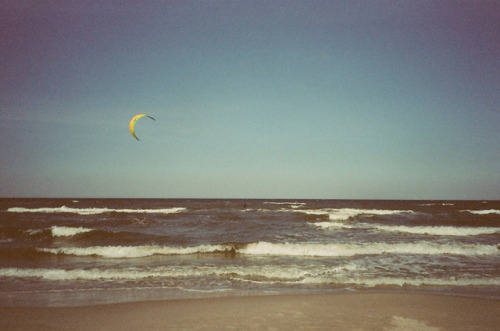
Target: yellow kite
[(132, 123)]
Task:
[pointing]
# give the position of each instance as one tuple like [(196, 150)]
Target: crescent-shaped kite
[(132, 123)]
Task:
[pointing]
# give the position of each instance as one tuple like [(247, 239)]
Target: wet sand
[(346, 311)]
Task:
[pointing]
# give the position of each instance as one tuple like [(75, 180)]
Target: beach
[(341, 311), (215, 264)]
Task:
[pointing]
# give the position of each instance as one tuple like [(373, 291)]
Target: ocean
[(74, 252)]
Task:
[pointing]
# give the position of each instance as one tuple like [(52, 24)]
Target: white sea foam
[(32, 232), (483, 212), (93, 211), (284, 203), (268, 273), (425, 248), (429, 230), (87, 274), (293, 205), (134, 251), (341, 275), (440, 230), (66, 231), (343, 214), (336, 225), (282, 249), (395, 281)]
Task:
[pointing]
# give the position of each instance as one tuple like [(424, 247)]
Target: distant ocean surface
[(69, 252)]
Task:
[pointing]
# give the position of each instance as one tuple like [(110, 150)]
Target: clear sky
[(252, 99)]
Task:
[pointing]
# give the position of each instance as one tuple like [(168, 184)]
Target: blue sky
[(252, 99)]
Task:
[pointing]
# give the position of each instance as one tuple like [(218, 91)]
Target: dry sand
[(356, 311)]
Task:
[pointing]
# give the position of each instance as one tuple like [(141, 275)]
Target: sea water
[(66, 252)]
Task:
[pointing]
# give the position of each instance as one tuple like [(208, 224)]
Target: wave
[(249, 273), (136, 251), (336, 225), (293, 205), (340, 275), (233, 271), (429, 230), (483, 212), (84, 274), (343, 214), (66, 231), (85, 236), (395, 281), (94, 211), (280, 249), (332, 250), (440, 230)]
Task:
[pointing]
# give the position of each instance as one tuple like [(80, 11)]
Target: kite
[(132, 123)]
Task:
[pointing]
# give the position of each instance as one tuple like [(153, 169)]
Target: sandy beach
[(346, 311)]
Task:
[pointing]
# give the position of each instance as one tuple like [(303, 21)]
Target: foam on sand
[(399, 323)]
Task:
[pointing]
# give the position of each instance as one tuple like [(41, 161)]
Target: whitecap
[(330, 250), (483, 212), (66, 231), (94, 211), (343, 214), (428, 230), (402, 281), (134, 251)]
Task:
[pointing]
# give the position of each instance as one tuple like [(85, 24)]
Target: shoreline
[(330, 311)]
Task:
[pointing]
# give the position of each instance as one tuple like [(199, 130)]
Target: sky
[(252, 99)]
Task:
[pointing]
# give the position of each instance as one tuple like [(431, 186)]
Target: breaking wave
[(66, 231), (283, 249), (233, 271), (293, 205), (94, 211), (343, 214), (427, 248), (394, 281), (340, 275), (135, 251), (428, 230), (483, 212)]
